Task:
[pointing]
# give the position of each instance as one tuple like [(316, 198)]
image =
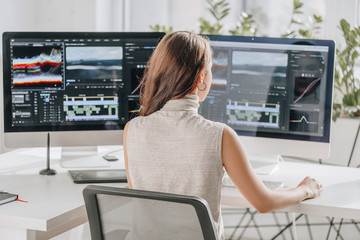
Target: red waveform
[(36, 82), (17, 66), (220, 66)]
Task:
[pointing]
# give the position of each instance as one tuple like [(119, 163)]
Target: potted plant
[(346, 81), (346, 107)]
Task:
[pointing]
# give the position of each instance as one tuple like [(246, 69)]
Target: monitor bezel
[(329, 86), (7, 36)]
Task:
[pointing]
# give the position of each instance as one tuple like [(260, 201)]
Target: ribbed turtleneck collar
[(188, 103)]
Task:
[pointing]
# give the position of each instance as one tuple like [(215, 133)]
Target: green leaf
[(297, 22), (345, 80), (354, 55), (357, 30), (318, 18), (221, 2), (335, 116), (155, 28), (349, 100), (225, 11), (297, 4), (345, 26), (213, 13), (342, 64), (357, 97), (225, 5), (336, 106), (347, 75), (304, 33), (336, 74)]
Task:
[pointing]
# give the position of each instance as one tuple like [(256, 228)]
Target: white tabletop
[(53, 201), (340, 196)]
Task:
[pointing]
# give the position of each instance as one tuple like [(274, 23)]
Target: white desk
[(340, 196), (56, 203)]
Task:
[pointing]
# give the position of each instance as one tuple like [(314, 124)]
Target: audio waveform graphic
[(222, 66), (303, 118), (307, 89), (220, 59), (41, 70), (304, 121)]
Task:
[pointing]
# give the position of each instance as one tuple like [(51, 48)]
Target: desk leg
[(288, 225), (294, 225)]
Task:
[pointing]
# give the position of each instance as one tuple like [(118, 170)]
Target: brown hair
[(173, 69)]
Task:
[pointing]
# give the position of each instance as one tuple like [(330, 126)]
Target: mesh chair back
[(128, 214)]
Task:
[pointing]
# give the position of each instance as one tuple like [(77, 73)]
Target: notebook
[(7, 197)]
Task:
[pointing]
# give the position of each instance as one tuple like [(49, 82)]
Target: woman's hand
[(311, 187)]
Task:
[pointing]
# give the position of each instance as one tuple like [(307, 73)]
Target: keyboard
[(269, 184)]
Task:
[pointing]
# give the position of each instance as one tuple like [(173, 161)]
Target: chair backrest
[(129, 214)]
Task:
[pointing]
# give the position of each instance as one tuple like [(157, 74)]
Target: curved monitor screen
[(272, 87), (72, 81)]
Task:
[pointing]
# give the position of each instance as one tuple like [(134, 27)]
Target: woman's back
[(176, 150)]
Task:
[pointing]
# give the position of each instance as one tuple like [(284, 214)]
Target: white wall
[(43, 15)]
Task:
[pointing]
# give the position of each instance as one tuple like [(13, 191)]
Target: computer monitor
[(77, 86), (276, 93)]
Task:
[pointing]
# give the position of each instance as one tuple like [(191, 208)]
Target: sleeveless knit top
[(175, 150)]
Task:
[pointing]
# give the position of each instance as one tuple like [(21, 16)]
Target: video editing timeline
[(64, 81), (263, 87), (267, 115), (91, 108)]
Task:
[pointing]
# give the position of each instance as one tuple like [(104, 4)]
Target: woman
[(171, 148)]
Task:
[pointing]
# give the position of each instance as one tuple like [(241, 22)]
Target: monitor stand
[(264, 164), (48, 171), (82, 157)]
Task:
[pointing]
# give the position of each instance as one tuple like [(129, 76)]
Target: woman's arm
[(243, 176), (125, 154)]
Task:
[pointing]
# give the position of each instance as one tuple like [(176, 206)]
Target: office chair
[(129, 214)]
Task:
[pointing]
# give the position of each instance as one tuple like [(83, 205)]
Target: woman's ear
[(201, 75)]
